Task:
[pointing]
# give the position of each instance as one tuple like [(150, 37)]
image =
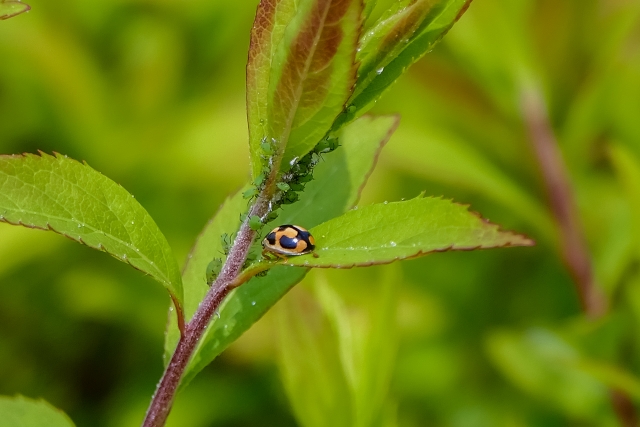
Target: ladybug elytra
[(288, 240)]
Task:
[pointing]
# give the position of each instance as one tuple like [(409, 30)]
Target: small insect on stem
[(288, 240)]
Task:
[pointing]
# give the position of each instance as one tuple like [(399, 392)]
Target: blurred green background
[(151, 93)]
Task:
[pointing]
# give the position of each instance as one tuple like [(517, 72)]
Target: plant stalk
[(574, 249), (573, 246), (228, 279)]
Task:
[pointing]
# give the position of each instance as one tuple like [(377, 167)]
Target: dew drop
[(253, 303), (379, 70), (393, 244), (385, 202), (170, 308)]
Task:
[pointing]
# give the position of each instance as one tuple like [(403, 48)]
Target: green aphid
[(213, 270), (322, 146), (290, 197), (272, 215), (306, 160), (267, 148), (255, 223), (283, 186), (305, 178), (225, 242), (259, 180), (301, 169), (327, 145), (250, 193)]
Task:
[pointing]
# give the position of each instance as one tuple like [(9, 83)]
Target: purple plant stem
[(573, 244), (162, 400), (562, 203), (624, 409)]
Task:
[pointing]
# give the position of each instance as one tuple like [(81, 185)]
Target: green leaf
[(346, 351), (300, 73), (72, 199), (546, 366), (309, 353), (20, 411), (383, 233), (442, 157), (336, 187), (367, 343), (394, 43), (9, 9), (268, 29)]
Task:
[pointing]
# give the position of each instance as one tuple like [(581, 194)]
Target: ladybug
[(288, 240)]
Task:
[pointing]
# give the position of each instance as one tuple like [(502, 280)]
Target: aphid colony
[(285, 240)]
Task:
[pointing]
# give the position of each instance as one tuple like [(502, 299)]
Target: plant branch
[(624, 409), (562, 203), (230, 277), (574, 249)]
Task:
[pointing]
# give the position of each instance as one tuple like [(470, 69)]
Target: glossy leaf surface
[(72, 199), (382, 233), (299, 75), (397, 40)]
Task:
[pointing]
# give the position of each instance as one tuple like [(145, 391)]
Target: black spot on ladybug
[(288, 243)]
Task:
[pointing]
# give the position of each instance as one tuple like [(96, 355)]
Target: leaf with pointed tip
[(268, 29), (348, 169), (72, 199), (382, 233), (299, 77), (396, 41), (20, 411), (9, 9)]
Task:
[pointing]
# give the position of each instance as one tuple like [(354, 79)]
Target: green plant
[(315, 68)]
